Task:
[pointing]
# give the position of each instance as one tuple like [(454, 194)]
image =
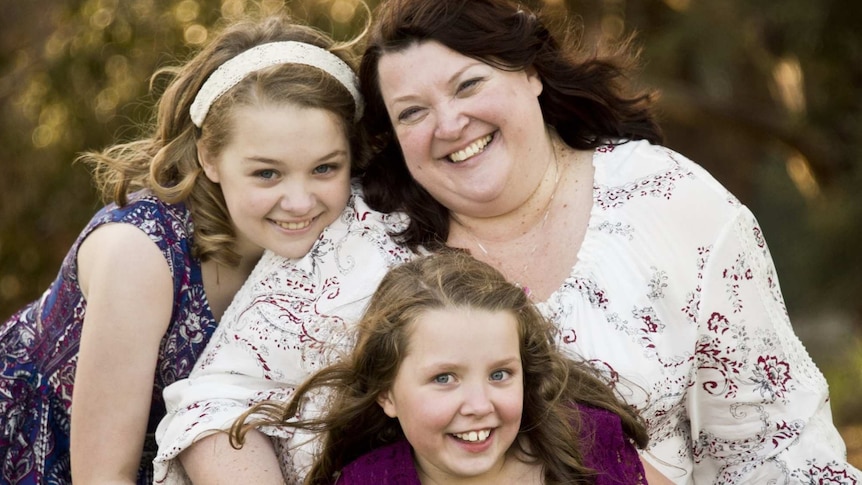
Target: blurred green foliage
[(764, 94)]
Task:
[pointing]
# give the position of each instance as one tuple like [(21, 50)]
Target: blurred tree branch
[(684, 104)]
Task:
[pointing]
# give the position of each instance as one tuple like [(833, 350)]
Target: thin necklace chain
[(541, 228)]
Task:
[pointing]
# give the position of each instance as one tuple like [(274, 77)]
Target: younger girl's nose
[(476, 401)]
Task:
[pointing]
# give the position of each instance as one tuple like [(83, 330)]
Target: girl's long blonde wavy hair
[(166, 162)]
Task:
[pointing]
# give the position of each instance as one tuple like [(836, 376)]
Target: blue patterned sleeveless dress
[(39, 348)]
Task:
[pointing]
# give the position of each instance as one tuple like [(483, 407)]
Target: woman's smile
[(471, 150)]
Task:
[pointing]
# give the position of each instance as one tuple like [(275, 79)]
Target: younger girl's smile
[(459, 402), (473, 436)]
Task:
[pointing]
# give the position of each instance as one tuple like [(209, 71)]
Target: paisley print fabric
[(674, 297), (39, 348), (289, 319)]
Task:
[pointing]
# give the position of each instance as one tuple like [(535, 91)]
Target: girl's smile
[(285, 175), (459, 401)]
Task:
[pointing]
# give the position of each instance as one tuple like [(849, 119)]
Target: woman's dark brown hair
[(584, 97), (354, 422)]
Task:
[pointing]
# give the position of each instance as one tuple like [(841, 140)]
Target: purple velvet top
[(606, 450)]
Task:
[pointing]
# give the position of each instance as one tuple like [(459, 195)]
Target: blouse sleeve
[(283, 325), (289, 319), (607, 450), (758, 406)]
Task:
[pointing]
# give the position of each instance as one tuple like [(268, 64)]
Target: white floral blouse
[(674, 296), (290, 318)]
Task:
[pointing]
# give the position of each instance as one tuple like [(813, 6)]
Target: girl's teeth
[(293, 226), (474, 436), (475, 148)]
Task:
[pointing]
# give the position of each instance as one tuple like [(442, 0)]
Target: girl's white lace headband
[(262, 56)]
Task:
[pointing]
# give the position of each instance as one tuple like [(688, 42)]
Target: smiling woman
[(463, 113), (647, 266)]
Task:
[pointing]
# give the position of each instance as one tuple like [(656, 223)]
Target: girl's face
[(285, 175), (459, 392), (471, 134)]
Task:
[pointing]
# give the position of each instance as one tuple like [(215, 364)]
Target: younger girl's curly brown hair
[(356, 424)]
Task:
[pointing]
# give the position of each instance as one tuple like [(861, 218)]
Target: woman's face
[(285, 176), (472, 135)]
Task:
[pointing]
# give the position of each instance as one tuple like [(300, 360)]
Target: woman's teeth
[(293, 226), (473, 436), (473, 149)]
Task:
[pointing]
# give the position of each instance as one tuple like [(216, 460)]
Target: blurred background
[(763, 93)]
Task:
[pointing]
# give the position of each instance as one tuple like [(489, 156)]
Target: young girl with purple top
[(455, 378)]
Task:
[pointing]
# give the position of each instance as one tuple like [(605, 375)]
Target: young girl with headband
[(501, 135), (252, 150), (455, 378)]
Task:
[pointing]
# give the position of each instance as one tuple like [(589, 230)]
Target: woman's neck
[(537, 247), (521, 221)]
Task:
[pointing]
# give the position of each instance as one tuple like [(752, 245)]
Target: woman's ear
[(534, 80), (388, 404), (208, 165)]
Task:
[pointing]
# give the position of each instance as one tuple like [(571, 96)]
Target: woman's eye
[(499, 375), (468, 84), (409, 114), (443, 379)]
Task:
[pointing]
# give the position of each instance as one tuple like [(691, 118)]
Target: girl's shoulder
[(165, 223), (606, 448), (388, 465), (599, 426), (596, 416), (144, 209)]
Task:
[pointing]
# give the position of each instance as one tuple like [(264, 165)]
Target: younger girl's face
[(459, 392), (285, 176)]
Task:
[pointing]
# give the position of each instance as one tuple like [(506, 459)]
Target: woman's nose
[(450, 122)]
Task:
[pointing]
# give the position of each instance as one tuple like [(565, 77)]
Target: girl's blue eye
[(266, 174), (499, 375), (321, 169), (443, 379)]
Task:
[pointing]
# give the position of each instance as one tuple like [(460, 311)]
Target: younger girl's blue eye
[(266, 174), (443, 379), (498, 375), (321, 169)]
